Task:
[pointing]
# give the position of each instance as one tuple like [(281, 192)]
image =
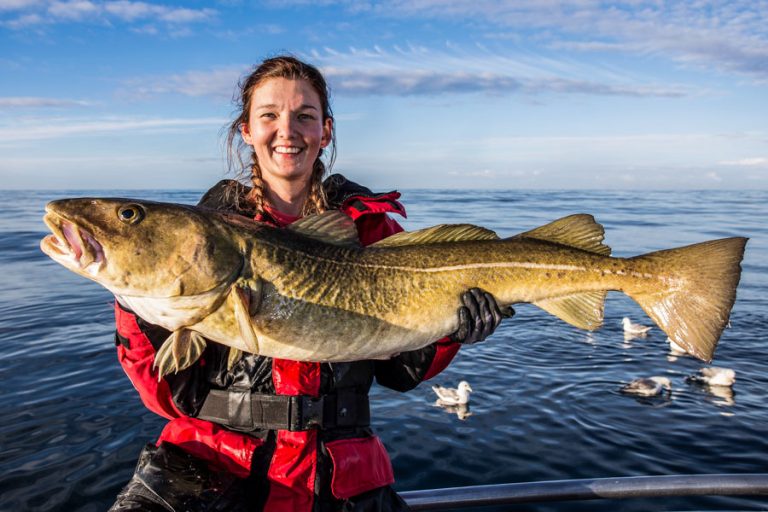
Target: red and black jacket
[(305, 469)]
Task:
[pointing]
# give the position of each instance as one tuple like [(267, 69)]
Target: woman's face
[(286, 129)]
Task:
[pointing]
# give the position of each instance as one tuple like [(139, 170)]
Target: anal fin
[(583, 310)]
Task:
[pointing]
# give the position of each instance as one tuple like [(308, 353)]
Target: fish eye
[(130, 213)]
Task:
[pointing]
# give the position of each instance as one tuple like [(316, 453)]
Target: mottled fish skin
[(310, 293)]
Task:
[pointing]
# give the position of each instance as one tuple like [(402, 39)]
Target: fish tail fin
[(694, 307)]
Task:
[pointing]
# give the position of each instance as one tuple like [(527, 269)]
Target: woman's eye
[(306, 117)]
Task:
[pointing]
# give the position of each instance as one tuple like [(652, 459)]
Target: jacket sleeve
[(407, 370)]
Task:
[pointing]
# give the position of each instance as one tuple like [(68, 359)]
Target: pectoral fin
[(333, 227), (582, 310), (243, 297), (179, 351)]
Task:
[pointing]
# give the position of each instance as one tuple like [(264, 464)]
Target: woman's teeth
[(287, 151)]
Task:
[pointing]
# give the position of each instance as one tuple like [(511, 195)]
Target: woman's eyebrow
[(302, 107)]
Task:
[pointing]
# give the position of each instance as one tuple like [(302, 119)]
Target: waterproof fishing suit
[(269, 434)]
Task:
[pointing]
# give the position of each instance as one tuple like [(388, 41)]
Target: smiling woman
[(249, 431)]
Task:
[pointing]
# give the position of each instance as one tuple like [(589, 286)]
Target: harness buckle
[(306, 412)]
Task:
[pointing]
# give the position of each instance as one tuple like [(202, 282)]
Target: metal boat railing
[(589, 489)]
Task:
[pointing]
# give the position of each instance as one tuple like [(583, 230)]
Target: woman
[(273, 434)]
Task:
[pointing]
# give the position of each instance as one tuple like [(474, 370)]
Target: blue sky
[(426, 93)]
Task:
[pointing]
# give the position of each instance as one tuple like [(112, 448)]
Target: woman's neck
[(287, 197)]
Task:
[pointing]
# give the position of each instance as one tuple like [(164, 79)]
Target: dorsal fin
[(579, 230), (437, 234), (332, 227)]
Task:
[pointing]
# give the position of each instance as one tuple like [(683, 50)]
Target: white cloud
[(128, 11), (73, 10), (747, 162), (726, 36), (36, 102), (714, 176), (52, 128), (219, 83), (16, 5), (24, 21), (422, 71)]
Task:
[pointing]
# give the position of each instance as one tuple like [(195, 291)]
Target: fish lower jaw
[(81, 262), (72, 246)]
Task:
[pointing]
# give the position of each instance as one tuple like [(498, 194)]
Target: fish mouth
[(71, 245)]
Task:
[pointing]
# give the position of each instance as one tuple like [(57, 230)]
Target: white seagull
[(674, 348), (451, 396), (631, 328), (714, 376), (650, 386)]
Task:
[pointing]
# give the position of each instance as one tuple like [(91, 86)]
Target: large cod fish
[(309, 292)]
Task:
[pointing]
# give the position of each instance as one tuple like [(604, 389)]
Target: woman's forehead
[(285, 92)]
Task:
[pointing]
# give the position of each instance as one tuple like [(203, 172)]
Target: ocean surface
[(546, 402)]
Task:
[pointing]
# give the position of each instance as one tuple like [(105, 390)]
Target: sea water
[(546, 403)]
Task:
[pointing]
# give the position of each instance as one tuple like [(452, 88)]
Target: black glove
[(479, 317)]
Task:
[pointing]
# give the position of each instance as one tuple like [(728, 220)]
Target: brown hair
[(291, 68)]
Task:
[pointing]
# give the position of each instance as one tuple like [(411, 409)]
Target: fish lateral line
[(445, 268)]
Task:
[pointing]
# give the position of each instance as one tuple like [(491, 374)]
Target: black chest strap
[(246, 411)]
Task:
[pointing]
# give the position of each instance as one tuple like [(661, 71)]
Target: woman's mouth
[(288, 150)]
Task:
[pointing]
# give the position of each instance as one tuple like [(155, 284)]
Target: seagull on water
[(675, 348), (714, 376), (451, 396), (650, 386), (632, 328)]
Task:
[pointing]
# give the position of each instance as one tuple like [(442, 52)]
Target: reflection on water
[(718, 395), (546, 404), (629, 336), (461, 411)]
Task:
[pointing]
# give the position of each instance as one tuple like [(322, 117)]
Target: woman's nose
[(286, 126)]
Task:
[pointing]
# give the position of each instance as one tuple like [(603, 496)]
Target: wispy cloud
[(21, 14), (14, 102), (219, 83), (746, 162), (15, 5), (422, 71), (725, 36), (419, 71), (53, 128)]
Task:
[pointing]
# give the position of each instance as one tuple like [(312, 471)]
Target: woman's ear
[(327, 132), (245, 133)]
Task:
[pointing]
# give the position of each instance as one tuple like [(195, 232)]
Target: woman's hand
[(478, 317)]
